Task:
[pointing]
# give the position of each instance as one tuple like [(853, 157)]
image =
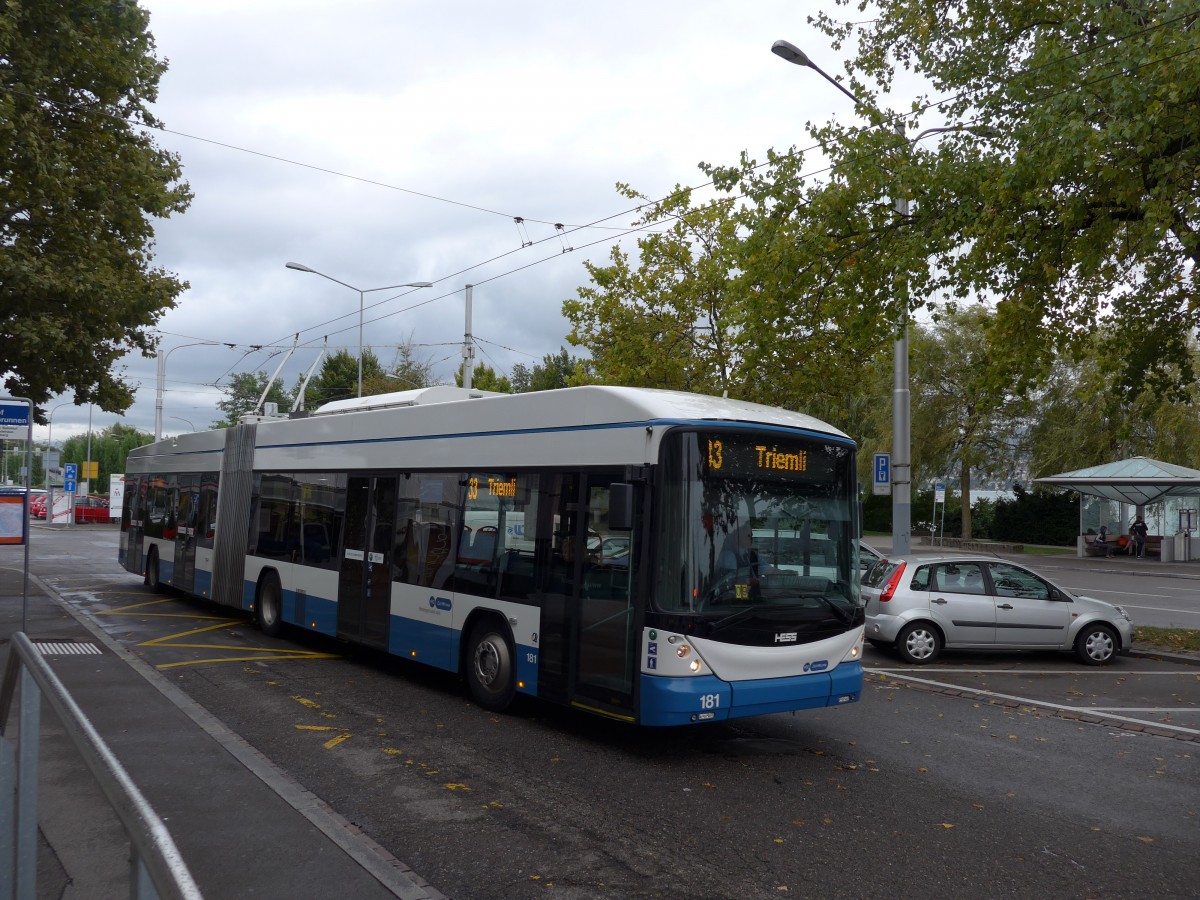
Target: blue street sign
[(70, 471), (883, 474), (14, 420)]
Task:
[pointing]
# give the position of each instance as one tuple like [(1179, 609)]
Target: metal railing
[(157, 870)]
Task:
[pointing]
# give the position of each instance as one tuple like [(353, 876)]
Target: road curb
[(1186, 659)]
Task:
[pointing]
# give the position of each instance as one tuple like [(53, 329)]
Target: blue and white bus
[(577, 545)]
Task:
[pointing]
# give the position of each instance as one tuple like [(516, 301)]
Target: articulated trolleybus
[(656, 557)]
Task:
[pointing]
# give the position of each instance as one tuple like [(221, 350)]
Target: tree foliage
[(556, 370), (670, 321), (485, 378), (1084, 421), (242, 393), (965, 419), (338, 378), (1072, 194), (109, 448), (80, 187)]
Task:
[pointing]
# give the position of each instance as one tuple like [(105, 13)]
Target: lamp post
[(901, 398), (162, 380), (299, 267), (184, 421)]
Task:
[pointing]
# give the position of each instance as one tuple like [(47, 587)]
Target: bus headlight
[(683, 651), (695, 665)]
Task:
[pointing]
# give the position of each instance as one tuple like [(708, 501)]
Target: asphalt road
[(988, 775)]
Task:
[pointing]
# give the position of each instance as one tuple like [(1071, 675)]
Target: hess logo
[(785, 637)]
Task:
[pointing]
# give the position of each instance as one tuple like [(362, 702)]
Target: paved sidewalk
[(244, 828)]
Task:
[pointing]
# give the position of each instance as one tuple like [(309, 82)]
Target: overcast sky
[(381, 142)]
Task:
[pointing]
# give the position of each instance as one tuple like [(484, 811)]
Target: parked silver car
[(922, 603)]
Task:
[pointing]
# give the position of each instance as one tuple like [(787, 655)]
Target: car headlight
[(1121, 610)]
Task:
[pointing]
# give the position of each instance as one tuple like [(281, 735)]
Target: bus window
[(427, 513), (493, 538), (322, 510)]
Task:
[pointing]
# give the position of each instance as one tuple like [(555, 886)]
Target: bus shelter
[(1167, 496)]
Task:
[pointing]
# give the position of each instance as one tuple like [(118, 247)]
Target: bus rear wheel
[(152, 580), (490, 670), (269, 609)]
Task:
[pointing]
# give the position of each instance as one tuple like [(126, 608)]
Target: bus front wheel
[(270, 606), (490, 670)]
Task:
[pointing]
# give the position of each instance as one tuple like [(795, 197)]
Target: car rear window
[(879, 572)]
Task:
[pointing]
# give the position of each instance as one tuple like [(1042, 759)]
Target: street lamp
[(185, 421), (162, 379), (299, 267), (901, 397)]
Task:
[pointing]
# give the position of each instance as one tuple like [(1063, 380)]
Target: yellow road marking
[(333, 742), (224, 623), (198, 662), (314, 728), (124, 609), (219, 622)]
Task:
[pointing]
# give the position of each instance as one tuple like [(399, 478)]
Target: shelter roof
[(1137, 480)]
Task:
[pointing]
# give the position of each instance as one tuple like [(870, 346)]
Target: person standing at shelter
[(1138, 532)]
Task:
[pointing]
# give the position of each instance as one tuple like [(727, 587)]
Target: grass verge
[(1176, 639)]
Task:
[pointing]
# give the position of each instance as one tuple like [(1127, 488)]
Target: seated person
[(1102, 540)]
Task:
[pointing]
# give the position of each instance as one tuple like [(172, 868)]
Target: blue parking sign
[(882, 482), (70, 473)]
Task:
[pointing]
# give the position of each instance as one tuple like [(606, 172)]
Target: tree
[(556, 370), (484, 378), (1083, 422), (407, 372), (80, 187), (241, 397), (338, 378), (965, 418), (109, 449), (1074, 198), (669, 322)]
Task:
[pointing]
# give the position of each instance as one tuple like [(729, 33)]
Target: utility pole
[(468, 350)]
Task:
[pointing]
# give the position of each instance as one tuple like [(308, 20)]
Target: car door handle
[(941, 601), (1004, 606)]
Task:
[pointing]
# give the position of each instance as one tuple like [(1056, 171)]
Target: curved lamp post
[(300, 267), (162, 380), (901, 397)]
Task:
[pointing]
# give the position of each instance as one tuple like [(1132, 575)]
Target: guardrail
[(157, 870)]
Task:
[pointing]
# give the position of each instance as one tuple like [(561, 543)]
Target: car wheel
[(490, 671), (152, 580), (919, 643), (1096, 645), (269, 609)]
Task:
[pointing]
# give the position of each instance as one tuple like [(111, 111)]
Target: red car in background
[(91, 509), (37, 506)]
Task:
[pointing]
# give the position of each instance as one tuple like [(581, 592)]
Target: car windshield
[(753, 521)]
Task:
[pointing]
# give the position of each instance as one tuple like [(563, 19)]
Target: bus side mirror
[(620, 507)]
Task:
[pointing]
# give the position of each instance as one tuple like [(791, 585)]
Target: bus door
[(188, 502), (365, 579), (604, 621), (132, 524)]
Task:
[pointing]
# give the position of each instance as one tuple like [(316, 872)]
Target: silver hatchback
[(923, 603)]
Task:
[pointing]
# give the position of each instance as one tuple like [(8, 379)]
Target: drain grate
[(66, 648)]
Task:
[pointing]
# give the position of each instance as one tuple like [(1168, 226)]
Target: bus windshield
[(748, 521)]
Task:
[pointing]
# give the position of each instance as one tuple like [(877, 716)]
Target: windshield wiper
[(742, 613), (847, 618)]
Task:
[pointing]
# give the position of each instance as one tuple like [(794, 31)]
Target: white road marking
[(1044, 704)]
